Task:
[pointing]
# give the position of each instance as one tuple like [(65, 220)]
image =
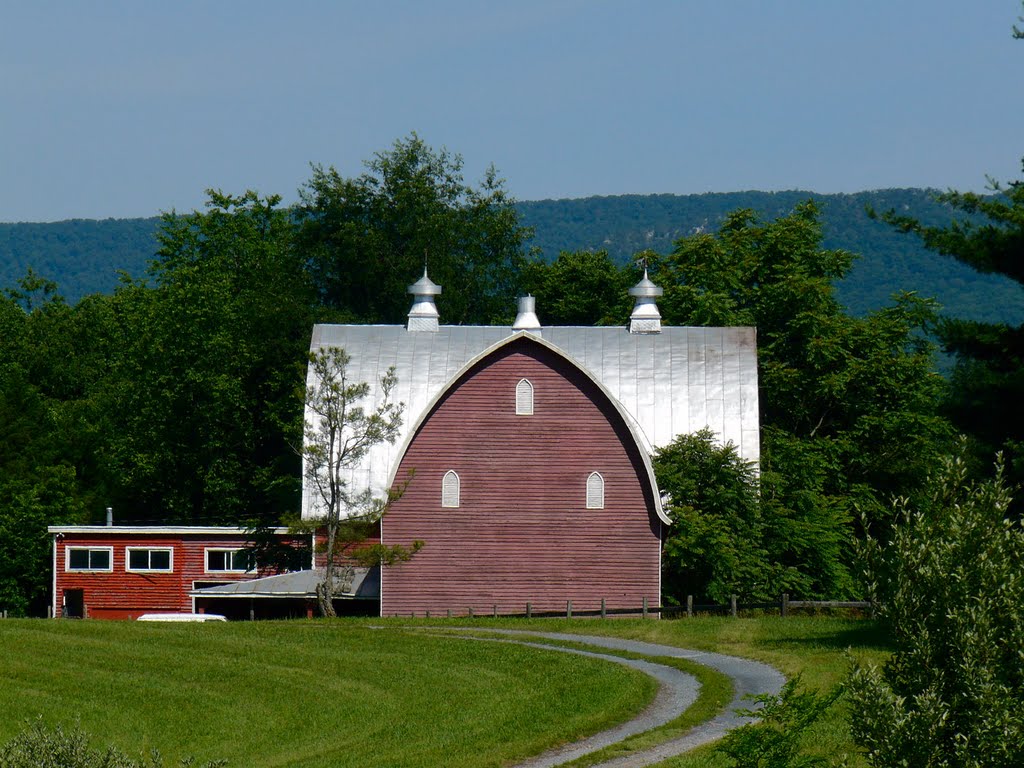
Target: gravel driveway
[(677, 691)]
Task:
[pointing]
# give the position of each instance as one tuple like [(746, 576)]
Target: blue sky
[(128, 109)]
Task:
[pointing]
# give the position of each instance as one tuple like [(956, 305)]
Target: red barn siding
[(120, 594), (522, 532), (320, 547)]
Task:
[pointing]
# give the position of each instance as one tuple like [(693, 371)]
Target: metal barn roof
[(670, 383)]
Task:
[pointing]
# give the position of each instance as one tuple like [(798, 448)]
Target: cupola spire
[(645, 318), (423, 317)]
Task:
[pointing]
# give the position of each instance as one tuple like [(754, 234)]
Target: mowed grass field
[(306, 693), (344, 693)]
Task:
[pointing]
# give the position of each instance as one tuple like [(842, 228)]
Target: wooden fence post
[(568, 609), (732, 605), (426, 614), (471, 613), (494, 612), (785, 604), (604, 614), (529, 610), (689, 606), (645, 607), (449, 613)]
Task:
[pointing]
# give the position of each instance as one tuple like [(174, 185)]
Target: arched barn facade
[(527, 487), (526, 451)]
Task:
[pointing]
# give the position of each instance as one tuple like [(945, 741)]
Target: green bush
[(41, 747), (951, 585), (775, 741)]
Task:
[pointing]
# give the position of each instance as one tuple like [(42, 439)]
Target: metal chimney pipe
[(527, 320), (110, 515)]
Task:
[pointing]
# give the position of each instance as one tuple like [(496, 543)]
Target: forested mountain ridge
[(84, 256), (890, 261)]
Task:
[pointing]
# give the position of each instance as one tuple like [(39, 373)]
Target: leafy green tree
[(202, 399), (579, 288), (340, 435), (366, 238), (951, 585), (39, 485), (848, 404), (714, 547), (989, 372)]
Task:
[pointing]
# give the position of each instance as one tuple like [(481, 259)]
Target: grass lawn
[(318, 693), (306, 693)]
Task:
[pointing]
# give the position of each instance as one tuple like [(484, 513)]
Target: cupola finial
[(645, 318), (423, 317)]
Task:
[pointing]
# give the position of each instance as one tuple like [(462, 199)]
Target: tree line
[(173, 399), (85, 256)]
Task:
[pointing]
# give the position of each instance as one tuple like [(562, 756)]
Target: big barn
[(527, 450), (526, 456)]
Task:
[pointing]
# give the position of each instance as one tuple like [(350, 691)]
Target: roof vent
[(527, 320), (645, 318), (423, 315)]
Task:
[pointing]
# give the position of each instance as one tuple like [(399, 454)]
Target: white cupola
[(423, 317), (645, 318)]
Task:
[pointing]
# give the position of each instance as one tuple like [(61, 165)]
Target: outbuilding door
[(74, 604)]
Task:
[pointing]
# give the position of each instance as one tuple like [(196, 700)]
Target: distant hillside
[(890, 261), (83, 256)]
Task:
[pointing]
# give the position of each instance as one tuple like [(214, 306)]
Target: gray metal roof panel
[(675, 382), (365, 583)]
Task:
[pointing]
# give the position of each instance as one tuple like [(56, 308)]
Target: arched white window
[(595, 491), (524, 398), (450, 489)]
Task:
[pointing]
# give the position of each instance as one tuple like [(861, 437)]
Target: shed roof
[(365, 584), (678, 381)]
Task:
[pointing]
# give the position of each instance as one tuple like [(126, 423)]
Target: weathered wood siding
[(121, 594), (522, 532), (320, 545)]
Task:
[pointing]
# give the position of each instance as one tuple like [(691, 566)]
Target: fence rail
[(783, 605)]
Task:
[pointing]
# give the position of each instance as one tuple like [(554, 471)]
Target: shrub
[(40, 747), (951, 585)]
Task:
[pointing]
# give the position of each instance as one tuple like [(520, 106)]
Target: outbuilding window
[(89, 559), (595, 491), (159, 559), (450, 489), (524, 398), (228, 560)]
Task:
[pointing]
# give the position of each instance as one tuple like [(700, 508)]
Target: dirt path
[(677, 692)]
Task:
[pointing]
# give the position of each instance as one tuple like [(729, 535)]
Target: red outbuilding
[(122, 572)]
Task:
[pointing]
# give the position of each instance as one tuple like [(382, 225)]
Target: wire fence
[(784, 606)]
